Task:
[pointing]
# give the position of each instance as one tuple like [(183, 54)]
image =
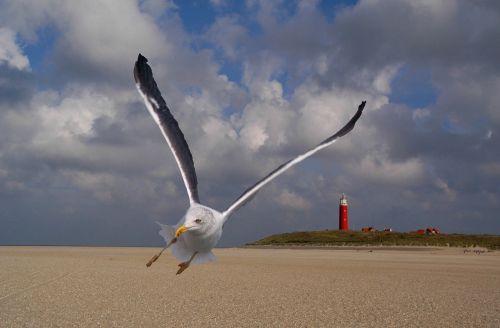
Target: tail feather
[(167, 232)]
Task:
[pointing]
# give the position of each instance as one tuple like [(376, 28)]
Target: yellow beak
[(181, 230)]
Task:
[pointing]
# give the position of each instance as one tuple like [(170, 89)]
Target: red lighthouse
[(343, 215)]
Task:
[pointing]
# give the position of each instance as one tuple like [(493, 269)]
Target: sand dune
[(111, 287)]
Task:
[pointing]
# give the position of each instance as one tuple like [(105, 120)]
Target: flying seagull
[(194, 236)]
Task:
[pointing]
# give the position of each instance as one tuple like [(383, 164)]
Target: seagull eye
[(197, 220)]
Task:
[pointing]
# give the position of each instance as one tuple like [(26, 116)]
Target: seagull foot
[(183, 266), (153, 260)]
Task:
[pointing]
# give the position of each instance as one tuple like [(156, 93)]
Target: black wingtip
[(140, 68), (362, 105), (350, 125), (141, 59), (358, 112)]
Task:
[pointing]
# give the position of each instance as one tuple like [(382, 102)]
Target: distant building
[(343, 214), (428, 231), (432, 231)]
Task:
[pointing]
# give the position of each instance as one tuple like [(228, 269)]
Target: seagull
[(196, 234)]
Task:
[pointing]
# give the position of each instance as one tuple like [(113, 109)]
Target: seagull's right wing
[(168, 125), (250, 192)]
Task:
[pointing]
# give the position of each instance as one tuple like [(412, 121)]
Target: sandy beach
[(111, 287)]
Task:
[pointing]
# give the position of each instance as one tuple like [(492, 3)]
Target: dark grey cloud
[(432, 33), (16, 86)]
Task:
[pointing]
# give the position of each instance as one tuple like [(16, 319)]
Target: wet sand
[(111, 287)]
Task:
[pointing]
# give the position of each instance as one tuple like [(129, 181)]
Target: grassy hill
[(357, 238)]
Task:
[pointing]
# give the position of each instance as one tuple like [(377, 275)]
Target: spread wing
[(168, 125), (250, 192)]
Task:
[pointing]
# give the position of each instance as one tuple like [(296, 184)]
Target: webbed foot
[(184, 265)]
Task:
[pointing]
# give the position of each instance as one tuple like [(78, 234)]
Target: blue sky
[(252, 83)]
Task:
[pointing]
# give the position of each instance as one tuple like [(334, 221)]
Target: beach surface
[(111, 287)]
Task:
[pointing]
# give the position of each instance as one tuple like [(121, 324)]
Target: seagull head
[(193, 225), (197, 221)]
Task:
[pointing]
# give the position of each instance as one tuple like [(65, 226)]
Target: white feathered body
[(201, 241)]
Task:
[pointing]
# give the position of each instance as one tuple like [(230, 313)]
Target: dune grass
[(357, 238)]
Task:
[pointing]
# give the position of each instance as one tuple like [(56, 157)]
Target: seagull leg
[(184, 265), (154, 258)]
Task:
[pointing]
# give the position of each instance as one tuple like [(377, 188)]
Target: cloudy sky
[(251, 84)]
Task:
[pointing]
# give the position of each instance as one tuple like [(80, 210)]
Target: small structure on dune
[(427, 231), (368, 229), (432, 231)]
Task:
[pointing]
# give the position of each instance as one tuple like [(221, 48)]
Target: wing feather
[(169, 127)]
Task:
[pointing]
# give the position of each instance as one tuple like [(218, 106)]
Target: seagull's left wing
[(250, 192), (168, 125)]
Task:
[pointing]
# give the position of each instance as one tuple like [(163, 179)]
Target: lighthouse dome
[(343, 200)]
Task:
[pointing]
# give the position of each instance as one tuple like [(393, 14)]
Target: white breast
[(205, 240)]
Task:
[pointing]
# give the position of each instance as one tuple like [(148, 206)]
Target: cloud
[(218, 3), (156, 8), (227, 34), (93, 46), (16, 78), (492, 168), (442, 185), (265, 119), (379, 169), (10, 53), (16, 86), (293, 201)]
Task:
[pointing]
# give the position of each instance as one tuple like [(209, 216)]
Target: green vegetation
[(357, 238)]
